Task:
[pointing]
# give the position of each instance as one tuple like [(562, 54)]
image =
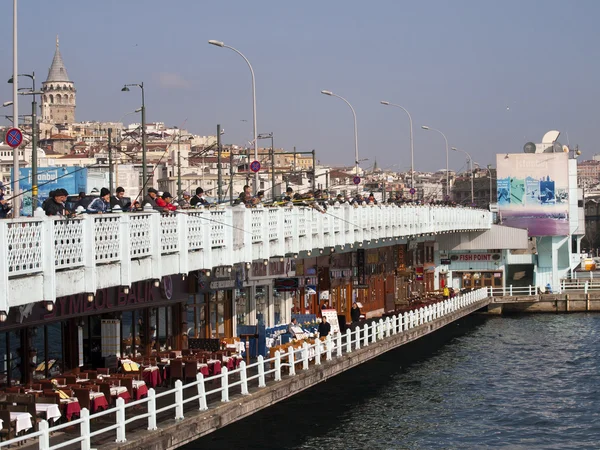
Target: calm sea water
[(518, 382)]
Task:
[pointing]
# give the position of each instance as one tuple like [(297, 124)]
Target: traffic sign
[(255, 166), (356, 179), (412, 191), (14, 137)]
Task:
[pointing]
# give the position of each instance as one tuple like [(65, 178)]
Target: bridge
[(44, 258), (177, 416)]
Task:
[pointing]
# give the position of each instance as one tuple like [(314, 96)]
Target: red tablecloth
[(152, 377), (71, 409), (99, 403), (141, 391), (204, 370), (214, 368), (125, 396)]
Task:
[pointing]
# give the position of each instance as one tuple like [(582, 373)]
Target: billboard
[(73, 179), (533, 192)]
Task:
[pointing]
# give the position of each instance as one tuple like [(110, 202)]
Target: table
[(140, 389), (151, 376), (22, 420), (50, 410), (98, 401), (120, 391), (70, 407)]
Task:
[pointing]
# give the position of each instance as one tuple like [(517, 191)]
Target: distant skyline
[(490, 75)]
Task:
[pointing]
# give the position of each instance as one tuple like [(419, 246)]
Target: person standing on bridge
[(355, 313)]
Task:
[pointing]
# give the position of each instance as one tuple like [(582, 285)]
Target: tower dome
[(59, 94)]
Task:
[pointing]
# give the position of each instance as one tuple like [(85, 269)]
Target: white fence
[(584, 286), (43, 258), (238, 381)]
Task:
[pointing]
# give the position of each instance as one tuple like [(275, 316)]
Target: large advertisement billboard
[(533, 192), (73, 179)]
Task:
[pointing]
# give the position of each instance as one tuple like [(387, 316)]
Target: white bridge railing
[(584, 286), (43, 258), (238, 381)]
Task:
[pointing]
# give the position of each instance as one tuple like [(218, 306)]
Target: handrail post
[(318, 351), (381, 329), (120, 421), (291, 361), (44, 443), (328, 345), (357, 331), (203, 404), (224, 385), (405, 320), (151, 409), (510, 290), (395, 324), (243, 378), (348, 340), (277, 366), (84, 428), (304, 356), (338, 344), (585, 287), (374, 331), (261, 371), (179, 398), (366, 336), (529, 289)]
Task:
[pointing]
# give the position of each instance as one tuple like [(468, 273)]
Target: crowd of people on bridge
[(58, 204)]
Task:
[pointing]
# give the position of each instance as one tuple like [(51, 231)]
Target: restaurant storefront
[(472, 270), (89, 330)]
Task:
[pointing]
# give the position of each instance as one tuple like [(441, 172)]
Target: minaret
[(58, 100)]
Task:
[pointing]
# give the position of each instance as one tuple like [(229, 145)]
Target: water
[(518, 382)]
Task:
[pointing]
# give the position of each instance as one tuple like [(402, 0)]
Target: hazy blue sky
[(492, 75)]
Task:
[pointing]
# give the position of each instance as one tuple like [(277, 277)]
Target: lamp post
[(187, 136), (255, 133), (331, 94), (34, 158), (15, 188), (471, 168), (412, 150), (143, 110), (425, 127), (272, 152)]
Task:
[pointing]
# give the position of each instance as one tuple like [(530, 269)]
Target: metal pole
[(179, 166), (490, 175), (15, 187), (231, 176), (34, 167), (110, 162), (314, 171), (272, 169), (144, 165), (471, 166), (219, 174)]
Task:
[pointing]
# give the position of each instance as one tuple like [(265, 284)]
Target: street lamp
[(471, 168), (270, 136), (331, 94), (255, 133), (412, 150), (179, 136), (425, 127), (15, 184), (34, 157), (143, 111)]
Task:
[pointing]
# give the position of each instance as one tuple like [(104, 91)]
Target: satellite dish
[(550, 137), (529, 147), (557, 147), (565, 148)]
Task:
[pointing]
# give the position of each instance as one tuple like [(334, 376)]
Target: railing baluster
[(348, 340), (261, 371), (84, 428), (179, 399), (277, 366), (120, 421), (357, 332), (203, 404), (44, 443), (338, 344), (366, 336), (328, 346), (291, 361), (318, 351), (152, 409), (304, 356), (243, 378), (224, 385)]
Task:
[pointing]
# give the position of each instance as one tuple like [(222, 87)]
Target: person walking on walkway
[(324, 327)]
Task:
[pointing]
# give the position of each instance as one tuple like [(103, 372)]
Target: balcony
[(47, 257)]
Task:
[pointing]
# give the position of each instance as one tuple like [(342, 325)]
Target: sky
[(491, 75)]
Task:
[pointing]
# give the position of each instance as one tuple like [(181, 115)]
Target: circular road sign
[(356, 180), (14, 137), (255, 166), (412, 191)]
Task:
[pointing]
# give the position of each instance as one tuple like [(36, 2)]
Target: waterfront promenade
[(163, 420)]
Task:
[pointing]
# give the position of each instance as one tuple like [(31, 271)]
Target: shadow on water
[(313, 413)]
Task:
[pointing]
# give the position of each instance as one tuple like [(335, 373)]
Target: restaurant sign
[(470, 257)]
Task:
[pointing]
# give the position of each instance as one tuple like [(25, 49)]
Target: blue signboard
[(73, 179)]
